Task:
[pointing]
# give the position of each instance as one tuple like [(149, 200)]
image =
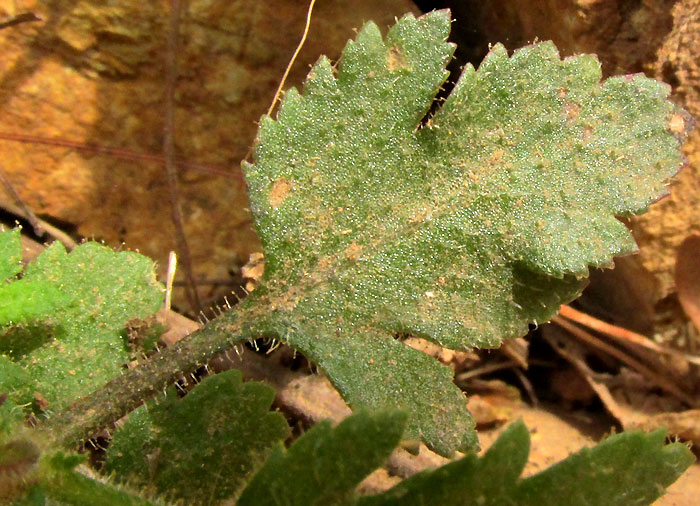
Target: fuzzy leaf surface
[(57, 481), (202, 448), (64, 335), (463, 230), (10, 254), (629, 469), (21, 301), (324, 466)]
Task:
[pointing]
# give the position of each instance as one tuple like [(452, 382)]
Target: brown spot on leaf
[(416, 218), (587, 132), (41, 402), (324, 265), (496, 157), (677, 124), (396, 59), (571, 111), (353, 252), (279, 191)]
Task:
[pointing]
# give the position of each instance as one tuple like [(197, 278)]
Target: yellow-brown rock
[(93, 73)]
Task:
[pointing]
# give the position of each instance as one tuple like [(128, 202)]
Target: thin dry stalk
[(54, 232), (621, 334), (485, 369), (658, 379), (39, 230), (25, 17), (169, 151), (589, 376), (116, 152), (293, 59)]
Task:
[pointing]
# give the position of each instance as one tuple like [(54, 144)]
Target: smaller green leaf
[(28, 316), (59, 482), (10, 414), (624, 470), (10, 253), (13, 377), (72, 488), (201, 448), (24, 301), (471, 480), (64, 321), (325, 465), (628, 469)]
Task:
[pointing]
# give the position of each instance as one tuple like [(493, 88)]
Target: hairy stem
[(125, 393)]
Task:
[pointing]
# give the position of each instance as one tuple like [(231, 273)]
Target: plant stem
[(125, 393)]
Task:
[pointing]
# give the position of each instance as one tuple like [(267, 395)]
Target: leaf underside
[(462, 230)]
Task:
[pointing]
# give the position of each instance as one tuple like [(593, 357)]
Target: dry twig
[(622, 335), (660, 380), (27, 213), (169, 151), (116, 152), (54, 232), (19, 19)]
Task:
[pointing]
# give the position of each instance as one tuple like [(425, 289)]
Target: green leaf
[(324, 466), (23, 301), (463, 230), (626, 469), (14, 378), (10, 415), (64, 321), (10, 253), (71, 488), (202, 448), (18, 463), (58, 481)]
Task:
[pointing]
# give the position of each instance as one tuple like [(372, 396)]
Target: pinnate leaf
[(324, 466), (624, 470), (462, 230), (202, 448)]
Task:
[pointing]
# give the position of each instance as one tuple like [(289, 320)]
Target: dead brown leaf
[(687, 277)]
